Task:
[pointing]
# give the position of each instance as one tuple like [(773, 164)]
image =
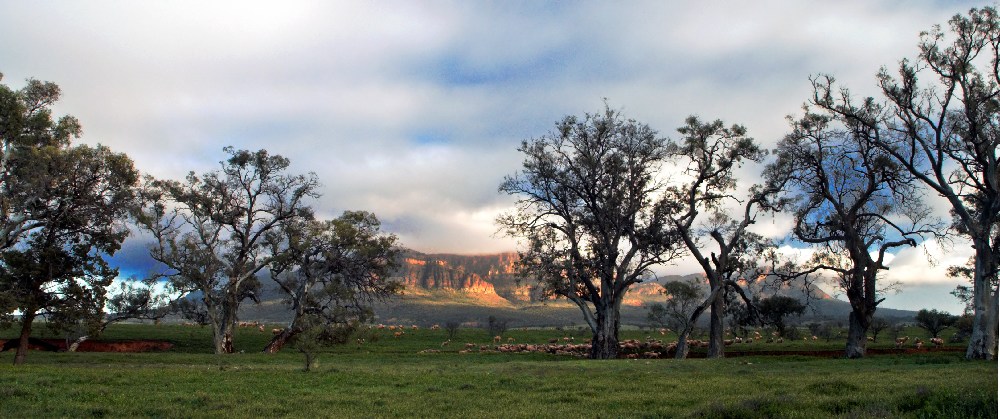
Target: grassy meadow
[(387, 376)]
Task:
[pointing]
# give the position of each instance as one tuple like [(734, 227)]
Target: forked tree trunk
[(604, 345), (279, 340), (857, 333), (22, 345), (223, 337), (683, 348)]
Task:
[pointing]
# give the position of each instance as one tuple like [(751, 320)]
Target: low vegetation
[(384, 375)]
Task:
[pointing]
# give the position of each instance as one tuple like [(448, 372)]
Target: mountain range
[(468, 289)]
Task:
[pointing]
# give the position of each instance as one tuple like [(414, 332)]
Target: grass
[(387, 377)]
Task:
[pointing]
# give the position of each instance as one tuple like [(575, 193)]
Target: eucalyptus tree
[(683, 297), (586, 211), (212, 231), (330, 273), (26, 127), (853, 204), (699, 209), (62, 212), (942, 126)]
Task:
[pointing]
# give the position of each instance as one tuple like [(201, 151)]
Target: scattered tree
[(700, 208), (330, 274), (853, 203), (451, 329), (212, 232), (587, 211), (943, 129), (774, 310), (877, 326), (683, 297), (62, 212), (934, 322), (495, 326)]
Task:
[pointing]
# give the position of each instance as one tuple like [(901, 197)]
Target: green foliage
[(774, 310), (330, 273), (934, 321), (63, 211), (586, 211), (682, 299), (213, 233)]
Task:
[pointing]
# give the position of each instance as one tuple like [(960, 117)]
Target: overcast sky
[(414, 110)]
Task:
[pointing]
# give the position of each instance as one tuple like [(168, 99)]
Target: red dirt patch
[(839, 353), (101, 345)]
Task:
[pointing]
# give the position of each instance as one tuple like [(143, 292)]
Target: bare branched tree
[(942, 126), (587, 213)]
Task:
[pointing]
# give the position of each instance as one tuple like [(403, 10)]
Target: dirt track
[(99, 345)]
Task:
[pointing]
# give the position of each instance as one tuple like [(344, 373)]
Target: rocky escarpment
[(490, 276)]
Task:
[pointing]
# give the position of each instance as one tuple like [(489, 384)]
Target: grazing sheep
[(901, 341), (260, 327), (445, 343), (415, 327), (470, 345), (937, 342), (276, 331), (436, 327), (497, 339), (510, 340)]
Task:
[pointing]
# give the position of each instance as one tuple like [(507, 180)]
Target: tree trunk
[(223, 337), (716, 348), (604, 345), (983, 341), (27, 318), (857, 335), (76, 343), (310, 357), (682, 349), (279, 340), (223, 330)]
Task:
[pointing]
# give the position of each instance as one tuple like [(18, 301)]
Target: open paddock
[(387, 377)]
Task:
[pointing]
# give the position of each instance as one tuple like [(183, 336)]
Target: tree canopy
[(587, 211)]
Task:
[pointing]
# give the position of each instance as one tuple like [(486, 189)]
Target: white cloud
[(414, 110)]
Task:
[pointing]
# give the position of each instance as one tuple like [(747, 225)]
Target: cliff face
[(492, 279), (475, 275)]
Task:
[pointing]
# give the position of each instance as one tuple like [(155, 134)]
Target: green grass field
[(387, 377)]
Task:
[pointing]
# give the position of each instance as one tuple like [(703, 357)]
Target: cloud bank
[(414, 110)]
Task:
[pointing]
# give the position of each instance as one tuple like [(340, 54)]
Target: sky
[(414, 109)]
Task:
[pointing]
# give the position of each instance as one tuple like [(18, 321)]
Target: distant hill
[(469, 288)]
